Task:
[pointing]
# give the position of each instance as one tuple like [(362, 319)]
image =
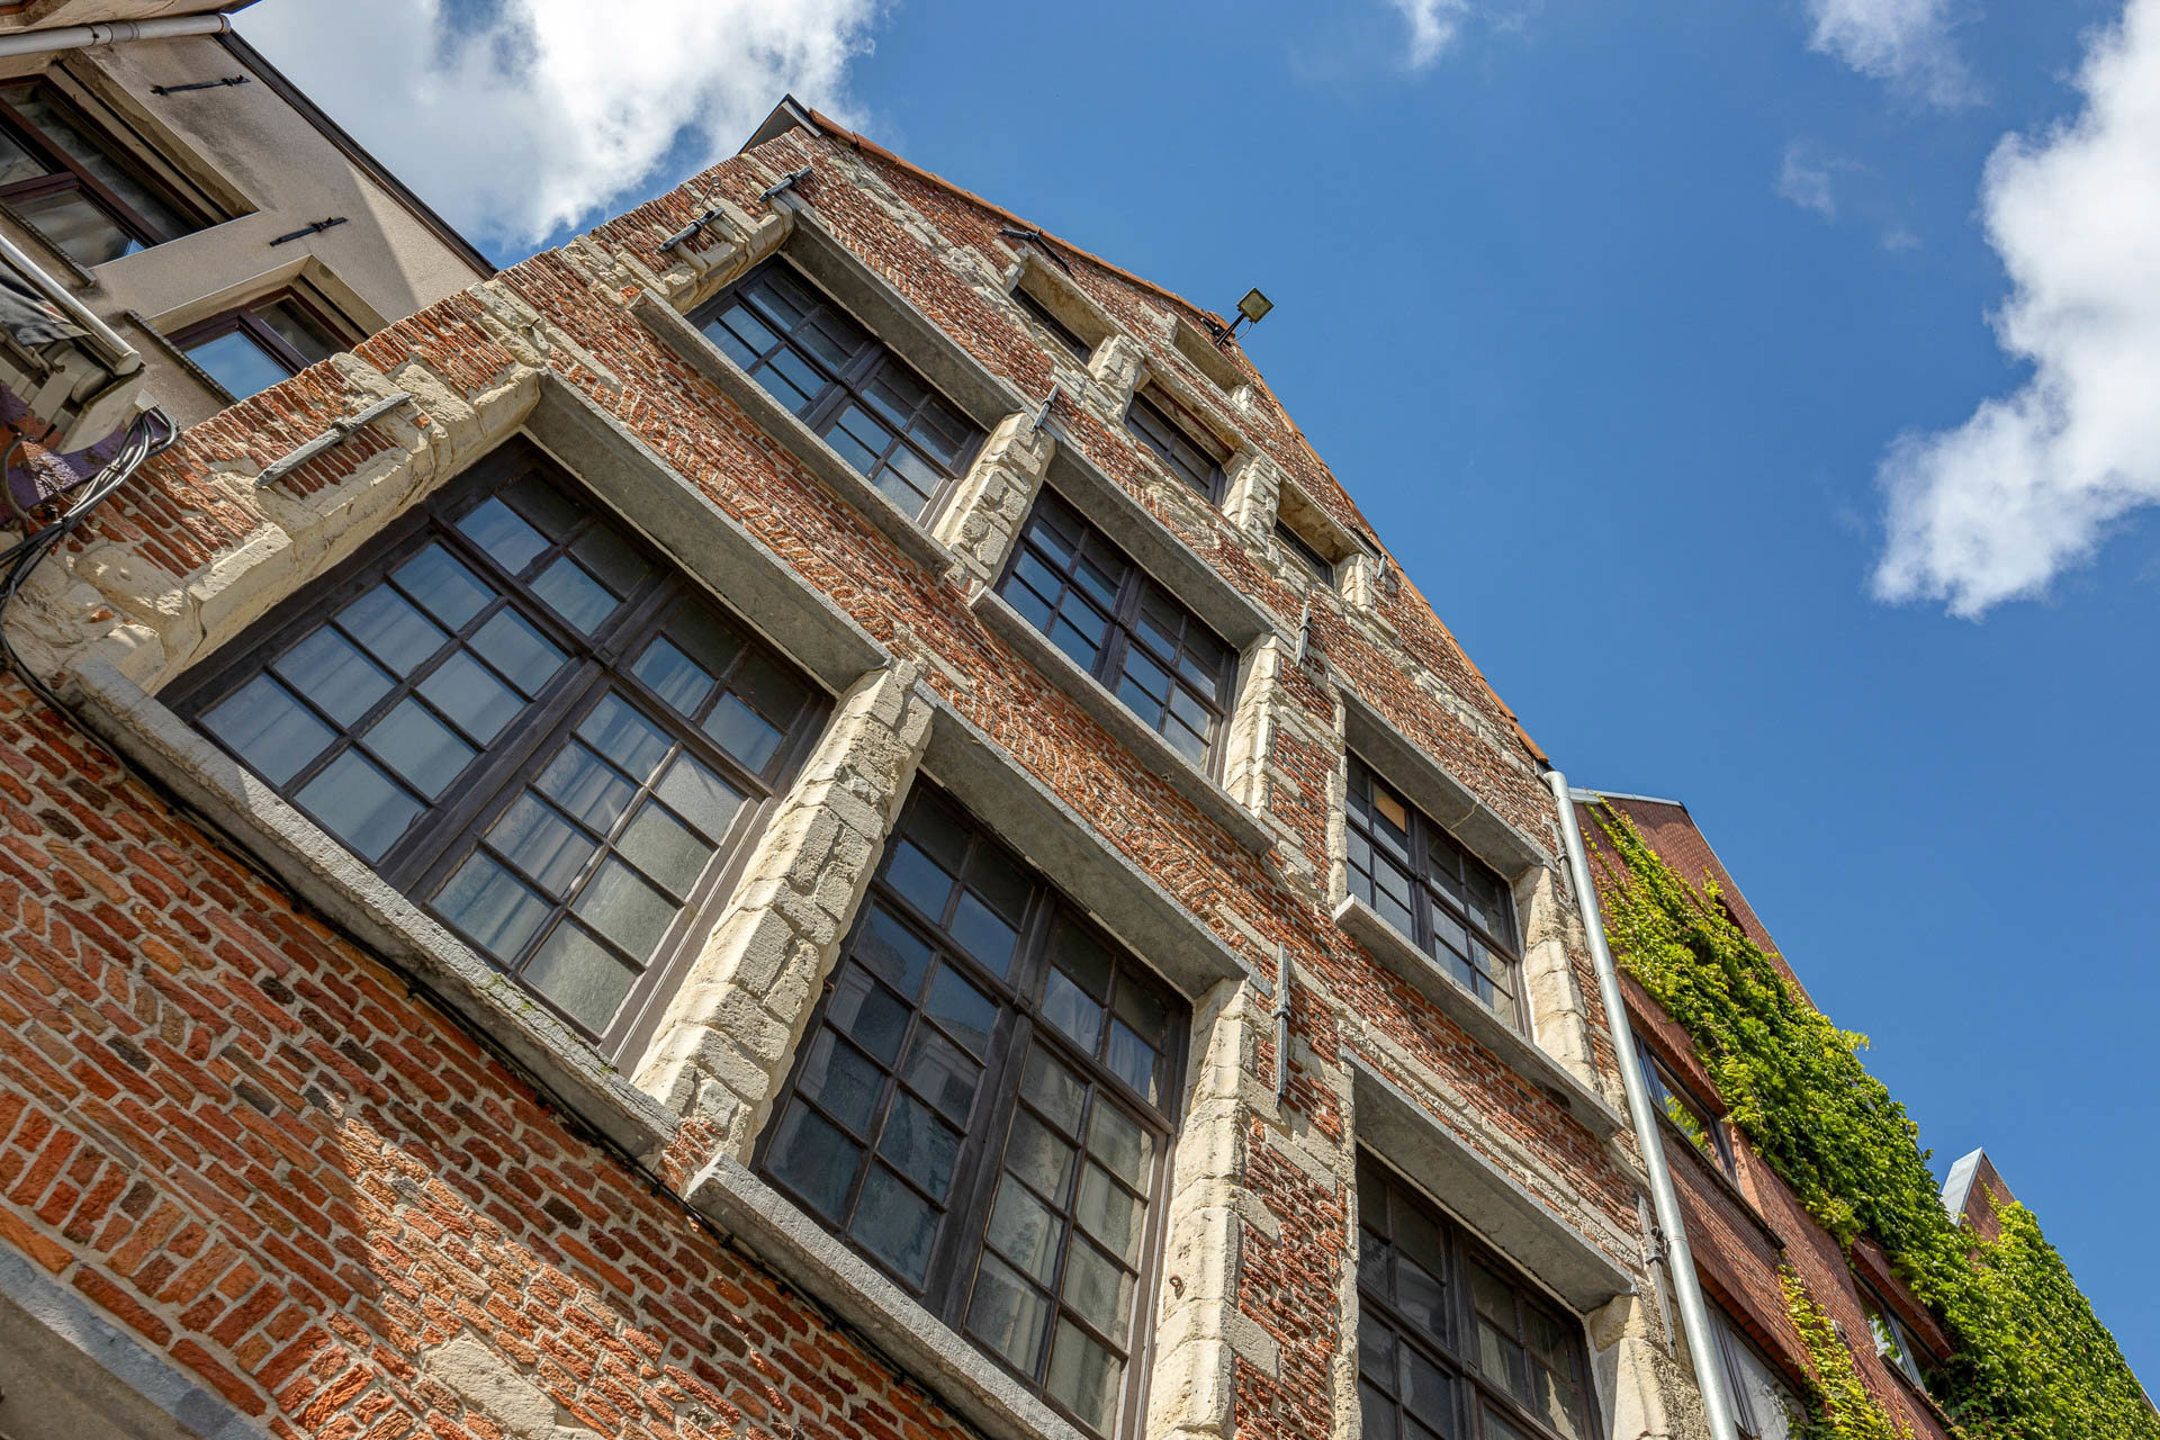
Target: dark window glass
[(527, 722), (1689, 1115), (983, 1107), (1181, 442), (1044, 316), (1895, 1343), (1073, 584), (1305, 553), (1439, 896), (844, 383), (74, 184), (1451, 1345), (255, 346)]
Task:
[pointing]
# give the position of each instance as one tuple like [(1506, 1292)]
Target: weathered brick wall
[(301, 1183)]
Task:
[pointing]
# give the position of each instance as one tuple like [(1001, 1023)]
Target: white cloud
[(1807, 178), (1906, 42), (516, 118), (2034, 481), (1434, 25)]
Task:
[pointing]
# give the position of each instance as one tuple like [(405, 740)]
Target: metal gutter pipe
[(1702, 1341), (112, 32)]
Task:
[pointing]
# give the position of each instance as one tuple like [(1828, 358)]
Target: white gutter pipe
[(1702, 1342), (111, 32)]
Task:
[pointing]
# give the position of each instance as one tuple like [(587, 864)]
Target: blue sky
[(1609, 316)]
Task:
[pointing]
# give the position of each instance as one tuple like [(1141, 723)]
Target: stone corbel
[(990, 503)]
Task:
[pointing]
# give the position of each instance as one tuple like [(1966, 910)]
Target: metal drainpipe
[(1702, 1342), (111, 32)]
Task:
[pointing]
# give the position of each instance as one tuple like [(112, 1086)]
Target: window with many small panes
[(983, 1108), (1072, 582), (522, 717), (1673, 1097), (844, 383), (1452, 1343), (1432, 891), (1179, 440)]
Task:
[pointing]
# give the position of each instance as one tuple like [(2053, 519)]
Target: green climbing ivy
[(2033, 1361), (1841, 1407)]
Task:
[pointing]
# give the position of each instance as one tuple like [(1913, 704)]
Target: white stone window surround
[(1148, 375), (1197, 585), (1577, 1275), (1062, 296), (1557, 1060), (1198, 349), (797, 236)]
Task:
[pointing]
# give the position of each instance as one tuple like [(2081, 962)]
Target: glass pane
[(1426, 1391), (235, 359), (889, 949), (1376, 1349), (359, 803), (1039, 1157), (1024, 1230), (742, 732), (919, 879), (622, 907), (94, 157), (331, 671), (1131, 1059), (869, 1012), (548, 848), (572, 970), (1085, 1376), (606, 553), (16, 163), (920, 1146), (893, 1223), (942, 1074), (507, 537), (964, 1011), (1376, 1414), (814, 1159), (625, 737), (391, 629), (1055, 1091), (82, 232), (1109, 1214), (842, 1079), (1008, 1314), (664, 848), (699, 796), (571, 592), (493, 909), (582, 784), (298, 329), (515, 646), (269, 729), (1118, 1141), (419, 747), (678, 679), (1144, 1010), (443, 587), (465, 690), (983, 934), (1420, 1297), (1099, 1290)]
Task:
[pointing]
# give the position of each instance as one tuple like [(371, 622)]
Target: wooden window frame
[(1668, 1088), (1135, 586), (1048, 320), (242, 318), (1305, 553), (67, 174), (1161, 421), (1423, 831), (450, 829), (848, 383), (1456, 1354), (1021, 1023)]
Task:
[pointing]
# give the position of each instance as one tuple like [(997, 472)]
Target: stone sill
[(924, 1347), (691, 347), (1516, 1050), (1115, 716), (325, 874)]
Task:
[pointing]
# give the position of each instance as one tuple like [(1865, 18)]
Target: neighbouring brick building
[(807, 816)]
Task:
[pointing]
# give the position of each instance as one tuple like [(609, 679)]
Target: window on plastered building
[(1452, 1343), (253, 346), (1074, 584), (1680, 1105), (525, 719), (77, 185), (983, 1108), (1178, 438), (1764, 1406), (883, 418), (1434, 892)]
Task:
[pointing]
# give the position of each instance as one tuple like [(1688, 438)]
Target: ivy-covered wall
[(2033, 1362)]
